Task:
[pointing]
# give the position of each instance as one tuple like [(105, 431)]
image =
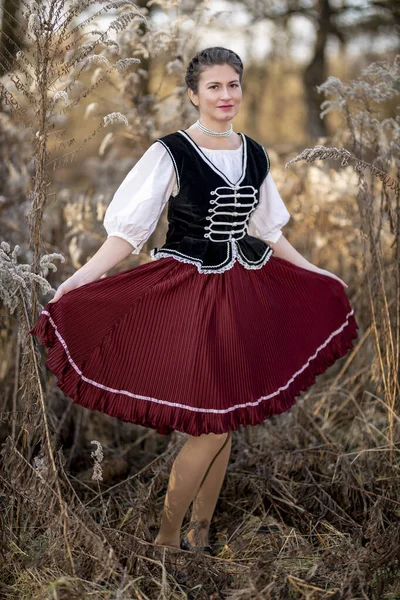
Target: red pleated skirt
[(167, 347)]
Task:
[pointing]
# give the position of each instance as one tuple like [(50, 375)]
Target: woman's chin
[(225, 115)]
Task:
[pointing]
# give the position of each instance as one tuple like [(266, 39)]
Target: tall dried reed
[(369, 107)]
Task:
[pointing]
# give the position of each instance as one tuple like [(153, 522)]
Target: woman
[(224, 327)]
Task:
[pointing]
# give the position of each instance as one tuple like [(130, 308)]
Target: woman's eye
[(214, 86)]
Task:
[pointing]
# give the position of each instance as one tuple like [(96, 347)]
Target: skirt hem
[(164, 416)]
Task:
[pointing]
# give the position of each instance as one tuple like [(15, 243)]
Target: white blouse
[(137, 205)]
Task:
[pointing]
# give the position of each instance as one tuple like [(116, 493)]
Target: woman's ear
[(192, 96)]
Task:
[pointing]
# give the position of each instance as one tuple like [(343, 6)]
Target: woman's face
[(219, 93)]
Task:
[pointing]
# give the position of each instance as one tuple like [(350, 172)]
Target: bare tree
[(342, 19)]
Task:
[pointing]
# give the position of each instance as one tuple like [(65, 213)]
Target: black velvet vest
[(207, 218)]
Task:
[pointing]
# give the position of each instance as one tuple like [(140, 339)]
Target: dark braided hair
[(208, 57)]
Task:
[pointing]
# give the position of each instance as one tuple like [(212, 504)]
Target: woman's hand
[(329, 274), (68, 285), (284, 249), (110, 253)]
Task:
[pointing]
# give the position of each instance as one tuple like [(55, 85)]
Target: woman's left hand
[(329, 274)]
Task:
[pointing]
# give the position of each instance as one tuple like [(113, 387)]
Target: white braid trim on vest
[(236, 256)]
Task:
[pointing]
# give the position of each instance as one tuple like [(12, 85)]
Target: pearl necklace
[(212, 132)]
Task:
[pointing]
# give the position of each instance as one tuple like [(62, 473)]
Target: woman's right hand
[(110, 253), (68, 285)]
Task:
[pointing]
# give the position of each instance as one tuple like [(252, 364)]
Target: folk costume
[(215, 331)]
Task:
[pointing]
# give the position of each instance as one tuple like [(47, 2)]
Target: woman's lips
[(226, 107)]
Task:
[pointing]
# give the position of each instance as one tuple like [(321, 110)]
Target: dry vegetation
[(310, 507)]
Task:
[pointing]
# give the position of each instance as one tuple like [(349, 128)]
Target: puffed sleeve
[(270, 214), (136, 206)]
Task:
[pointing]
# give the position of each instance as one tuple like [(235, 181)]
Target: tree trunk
[(316, 72), (10, 38)]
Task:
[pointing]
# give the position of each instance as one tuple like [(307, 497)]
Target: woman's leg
[(206, 500), (187, 474)]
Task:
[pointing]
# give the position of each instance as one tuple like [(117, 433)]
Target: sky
[(229, 30)]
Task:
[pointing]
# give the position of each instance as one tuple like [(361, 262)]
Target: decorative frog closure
[(239, 212)]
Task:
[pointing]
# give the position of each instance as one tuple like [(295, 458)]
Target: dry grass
[(311, 502)]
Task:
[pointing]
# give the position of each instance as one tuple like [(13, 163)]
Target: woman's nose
[(225, 94)]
